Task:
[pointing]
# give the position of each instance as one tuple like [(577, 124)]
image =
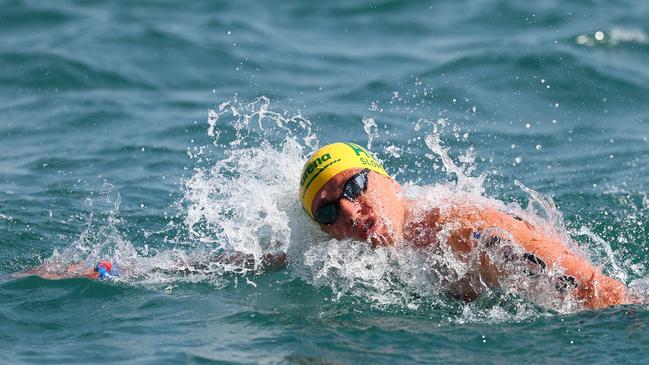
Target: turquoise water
[(142, 132)]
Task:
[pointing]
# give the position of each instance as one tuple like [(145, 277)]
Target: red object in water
[(105, 264)]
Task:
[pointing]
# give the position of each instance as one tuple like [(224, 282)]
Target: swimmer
[(349, 194)]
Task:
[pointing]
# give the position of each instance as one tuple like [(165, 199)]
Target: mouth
[(372, 233), (365, 230), (367, 227)]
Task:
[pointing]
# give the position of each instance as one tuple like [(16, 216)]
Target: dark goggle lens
[(356, 185), (327, 213)]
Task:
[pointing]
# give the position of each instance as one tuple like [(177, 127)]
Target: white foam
[(246, 202)]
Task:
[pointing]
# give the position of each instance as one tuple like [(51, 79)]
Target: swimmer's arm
[(232, 261), (593, 288), (57, 271), (269, 261), (274, 262)]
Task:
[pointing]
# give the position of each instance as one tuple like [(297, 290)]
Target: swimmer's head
[(328, 162), (346, 191)]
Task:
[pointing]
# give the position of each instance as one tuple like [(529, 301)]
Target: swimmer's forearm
[(274, 262), (268, 262), (543, 251), (58, 271), (589, 285)]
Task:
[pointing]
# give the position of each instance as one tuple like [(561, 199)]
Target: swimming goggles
[(353, 188)]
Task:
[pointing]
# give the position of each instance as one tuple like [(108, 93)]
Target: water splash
[(611, 259), (101, 239), (393, 151), (255, 121), (241, 202), (240, 205), (371, 129), (465, 182)]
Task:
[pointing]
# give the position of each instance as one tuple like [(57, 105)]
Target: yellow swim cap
[(327, 162)]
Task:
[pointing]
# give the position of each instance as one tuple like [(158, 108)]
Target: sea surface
[(166, 135)]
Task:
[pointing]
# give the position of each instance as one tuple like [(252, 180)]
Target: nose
[(349, 210)]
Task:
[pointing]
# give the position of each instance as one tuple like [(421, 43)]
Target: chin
[(380, 238), (386, 232), (379, 241)]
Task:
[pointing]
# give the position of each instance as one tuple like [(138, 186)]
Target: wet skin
[(377, 215), (60, 271), (382, 216)]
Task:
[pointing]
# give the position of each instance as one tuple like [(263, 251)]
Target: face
[(376, 215)]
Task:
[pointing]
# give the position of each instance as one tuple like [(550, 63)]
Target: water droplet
[(393, 151), (370, 127), (582, 39)]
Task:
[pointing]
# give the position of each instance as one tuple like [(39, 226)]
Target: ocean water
[(161, 135)]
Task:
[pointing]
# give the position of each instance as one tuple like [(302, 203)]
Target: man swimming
[(349, 194)]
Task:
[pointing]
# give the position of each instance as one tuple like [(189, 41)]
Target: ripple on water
[(49, 70), (21, 18)]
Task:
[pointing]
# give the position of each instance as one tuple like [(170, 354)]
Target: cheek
[(388, 206), (333, 230)]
